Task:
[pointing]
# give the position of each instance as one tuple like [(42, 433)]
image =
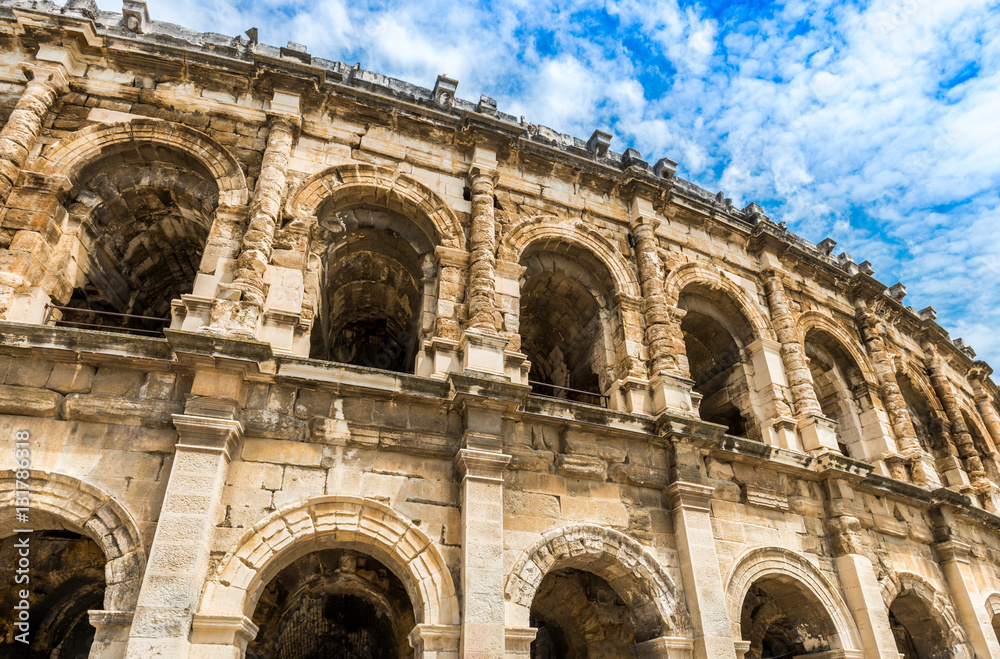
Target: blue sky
[(874, 123)]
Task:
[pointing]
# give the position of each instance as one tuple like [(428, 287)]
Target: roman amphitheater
[(302, 361)]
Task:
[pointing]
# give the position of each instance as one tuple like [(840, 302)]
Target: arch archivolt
[(70, 156), (575, 232), (712, 278), (354, 184), (814, 320), (94, 513), (627, 566), (322, 522), (921, 383), (993, 605), (972, 415), (759, 563), (938, 605)]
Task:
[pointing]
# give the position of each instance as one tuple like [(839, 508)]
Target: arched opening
[(929, 423), (781, 618), (333, 603), (374, 265), (578, 614), (143, 214), (917, 629), (840, 389), (983, 446), (567, 321), (715, 333), (67, 578)]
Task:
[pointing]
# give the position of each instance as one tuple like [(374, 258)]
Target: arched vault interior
[(67, 579), (333, 603), (781, 618), (144, 214), (374, 266), (567, 321), (715, 333), (836, 378)]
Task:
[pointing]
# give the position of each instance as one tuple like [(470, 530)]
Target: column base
[(818, 434), (782, 433), (673, 392), (636, 395), (483, 353), (438, 358)]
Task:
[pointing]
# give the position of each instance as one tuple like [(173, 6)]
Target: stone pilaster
[(769, 383), (953, 556), (792, 352), (48, 81), (481, 473), (861, 588), (713, 632), (440, 354), (874, 335), (483, 315), (479, 466), (979, 372), (963, 439), (208, 435), (654, 303), (671, 387), (241, 306)]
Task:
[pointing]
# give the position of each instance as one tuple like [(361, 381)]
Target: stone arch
[(95, 514), (333, 521), (993, 611), (977, 426), (938, 616), (714, 279), (576, 232), (65, 158), (845, 385), (360, 184), (760, 563), (814, 320), (629, 568)]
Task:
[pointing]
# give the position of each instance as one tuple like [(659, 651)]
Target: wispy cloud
[(873, 122)]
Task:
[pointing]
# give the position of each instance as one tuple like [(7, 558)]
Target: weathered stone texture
[(449, 380)]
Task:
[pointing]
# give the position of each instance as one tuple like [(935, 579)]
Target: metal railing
[(602, 400), (56, 322)]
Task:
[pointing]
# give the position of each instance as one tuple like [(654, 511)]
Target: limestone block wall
[(311, 358)]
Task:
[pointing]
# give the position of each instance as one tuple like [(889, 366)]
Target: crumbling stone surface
[(437, 382)]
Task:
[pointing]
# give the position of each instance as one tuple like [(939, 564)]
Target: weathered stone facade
[(438, 382)]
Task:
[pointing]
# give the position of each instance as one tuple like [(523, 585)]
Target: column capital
[(518, 640), (109, 619), (641, 213), (434, 638), (690, 496), (450, 256), (218, 629), (481, 465), (52, 75), (484, 162), (953, 550), (208, 433)]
